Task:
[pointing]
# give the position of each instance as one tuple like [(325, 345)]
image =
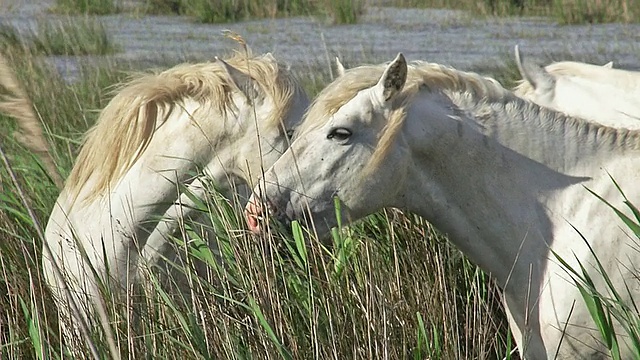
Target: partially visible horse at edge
[(601, 94), (160, 134), (506, 179)]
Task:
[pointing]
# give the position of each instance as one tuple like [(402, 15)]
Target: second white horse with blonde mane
[(597, 93), (505, 178), (226, 119)]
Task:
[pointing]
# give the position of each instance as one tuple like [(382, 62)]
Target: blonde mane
[(127, 124), (570, 68), (523, 88), (434, 77), (420, 75)]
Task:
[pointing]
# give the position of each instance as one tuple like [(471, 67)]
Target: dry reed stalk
[(17, 104)]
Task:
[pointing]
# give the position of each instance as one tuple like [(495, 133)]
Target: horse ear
[(339, 67), (393, 79), (269, 56), (608, 65), (533, 73), (243, 82)]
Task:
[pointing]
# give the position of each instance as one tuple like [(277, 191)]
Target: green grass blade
[(635, 227), (298, 238), (265, 325), (421, 339), (633, 208), (35, 332)]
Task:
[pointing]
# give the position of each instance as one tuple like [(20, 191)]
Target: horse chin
[(283, 217)]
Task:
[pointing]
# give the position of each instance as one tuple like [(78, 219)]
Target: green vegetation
[(391, 285), (607, 305), (344, 11), (220, 11), (71, 36), (349, 11), (596, 11), (88, 7), (564, 11), (362, 296), (208, 11)]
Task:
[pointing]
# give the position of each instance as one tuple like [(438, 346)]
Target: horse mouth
[(261, 213)]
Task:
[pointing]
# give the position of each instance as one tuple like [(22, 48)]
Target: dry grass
[(596, 11), (564, 11), (65, 36)]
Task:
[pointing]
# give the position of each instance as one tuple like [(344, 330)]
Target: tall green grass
[(596, 11), (390, 286), (349, 11), (70, 36), (65, 110), (563, 11), (210, 11), (88, 7), (609, 305)]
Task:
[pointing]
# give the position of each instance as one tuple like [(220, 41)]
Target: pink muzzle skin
[(253, 213)]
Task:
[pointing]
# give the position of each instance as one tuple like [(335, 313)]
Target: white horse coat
[(506, 180), (223, 119)]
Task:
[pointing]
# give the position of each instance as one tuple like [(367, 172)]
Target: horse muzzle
[(258, 211), (254, 213)]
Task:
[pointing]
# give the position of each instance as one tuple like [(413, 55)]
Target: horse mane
[(420, 75), (458, 85), (562, 68), (486, 92), (573, 68), (523, 88), (127, 124), (582, 70)]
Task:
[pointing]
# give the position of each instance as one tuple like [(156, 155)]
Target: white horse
[(596, 93), (505, 178), (226, 119)]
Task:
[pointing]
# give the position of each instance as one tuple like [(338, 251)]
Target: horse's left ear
[(269, 56), (243, 82), (393, 79)]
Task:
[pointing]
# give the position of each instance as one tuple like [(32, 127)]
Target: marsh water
[(443, 36)]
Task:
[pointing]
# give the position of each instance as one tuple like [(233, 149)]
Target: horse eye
[(289, 134), (339, 134)]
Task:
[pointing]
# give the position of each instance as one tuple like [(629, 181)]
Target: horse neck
[(561, 143), (183, 143), (485, 169), (196, 137)]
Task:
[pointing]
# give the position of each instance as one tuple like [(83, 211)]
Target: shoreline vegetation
[(348, 11)]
